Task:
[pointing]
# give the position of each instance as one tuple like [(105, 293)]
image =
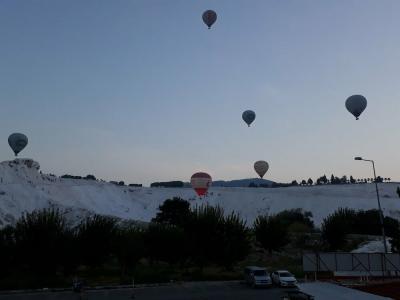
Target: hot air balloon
[(209, 18), (17, 142), (200, 182), (248, 116), (261, 167), (356, 104)]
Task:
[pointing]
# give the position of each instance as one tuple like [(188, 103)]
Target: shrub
[(271, 233), (173, 211), (41, 239), (95, 237)]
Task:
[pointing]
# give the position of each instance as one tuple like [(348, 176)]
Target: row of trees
[(43, 244), (345, 221), (342, 180)]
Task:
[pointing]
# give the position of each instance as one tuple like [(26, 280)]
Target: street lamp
[(379, 202)]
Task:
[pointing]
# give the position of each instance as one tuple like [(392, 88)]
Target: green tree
[(203, 233), (288, 217), (335, 227), (173, 211), (95, 238), (7, 251), (41, 242), (271, 233), (129, 247), (235, 241), (165, 243)]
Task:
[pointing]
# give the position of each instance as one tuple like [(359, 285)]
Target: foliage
[(288, 217), (165, 243), (7, 250), (168, 184), (129, 247), (345, 221), (271, 233), (336, 226), (95, 237), (173, 211), (41, 239)]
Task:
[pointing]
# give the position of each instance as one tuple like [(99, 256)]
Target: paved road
[(187, 291)]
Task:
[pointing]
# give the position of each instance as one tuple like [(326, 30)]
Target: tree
[(303, 182), (270, 233), (173, 211), (294, 183), (398, 191), (41, 242), (352, 180), (165, 242), (335, 227), (203, 233), (95, 238), (236, 241), (129, 247), (310, 181), (289, 217), (7, 251)]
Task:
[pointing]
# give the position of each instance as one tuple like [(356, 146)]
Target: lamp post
[(379, 202)]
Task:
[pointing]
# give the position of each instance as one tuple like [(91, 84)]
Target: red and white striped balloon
[(201, 182)]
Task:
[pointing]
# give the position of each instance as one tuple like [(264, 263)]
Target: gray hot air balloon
[(261, 167), (209, 18), (356, 104), (249, 116), (17, 142)]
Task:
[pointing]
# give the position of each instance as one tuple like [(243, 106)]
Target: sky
[(142, 91)]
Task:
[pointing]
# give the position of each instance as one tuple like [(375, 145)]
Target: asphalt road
[(186, 291)]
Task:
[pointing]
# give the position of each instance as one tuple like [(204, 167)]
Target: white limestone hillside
[(23, 188)]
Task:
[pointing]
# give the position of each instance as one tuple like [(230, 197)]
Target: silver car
[(284, 278), (257, 276)]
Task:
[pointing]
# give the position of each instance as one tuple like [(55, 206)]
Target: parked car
[(257, 276), (283, 278)]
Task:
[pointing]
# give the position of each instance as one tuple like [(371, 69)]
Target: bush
[(336, 226), (129, 247), (271, 233), (173, 211), (95, 238), (165, 243), (288, 217), (41, 241), (7, 250), (168, 184), (203, 233), (236, 241)]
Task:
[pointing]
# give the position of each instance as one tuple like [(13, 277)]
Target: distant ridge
[(239, 182)]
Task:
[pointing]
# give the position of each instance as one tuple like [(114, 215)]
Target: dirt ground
[(386, 289)]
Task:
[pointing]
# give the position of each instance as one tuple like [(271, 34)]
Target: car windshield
[(285, 274), (260, 273)]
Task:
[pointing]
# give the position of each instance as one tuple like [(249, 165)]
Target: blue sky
[(141, 91)]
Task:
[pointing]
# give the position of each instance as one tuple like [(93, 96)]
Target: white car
[(283, 278), (257, 276)]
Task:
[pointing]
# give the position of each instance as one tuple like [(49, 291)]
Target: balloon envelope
[(249, 116), (261, 167), (209, 18), (356, 104), (201, 182), (17, 142)]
